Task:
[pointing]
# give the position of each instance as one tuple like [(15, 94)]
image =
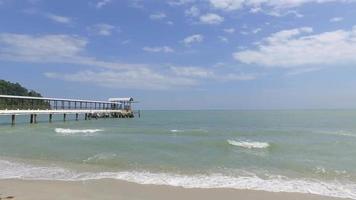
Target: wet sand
[(121, 190)]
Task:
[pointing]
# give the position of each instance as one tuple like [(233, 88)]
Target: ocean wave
[(16, 170), (82, 132), (338, 133), (100, 157), (176, 131), (249, 144), (324, 171), (187, 130)]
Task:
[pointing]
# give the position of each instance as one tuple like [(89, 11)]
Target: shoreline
[(108, 189)]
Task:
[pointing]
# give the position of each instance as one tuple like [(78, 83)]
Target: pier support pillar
[(31, 119), (12, 120), (64, 117), (50, 118), (76, 116)]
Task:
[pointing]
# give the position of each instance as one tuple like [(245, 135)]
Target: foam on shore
[(16, 170)]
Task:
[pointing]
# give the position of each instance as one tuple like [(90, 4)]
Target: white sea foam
[(338, 133), (99, 157), (176, 131), (276, 183), (324, 171), (188, 130), (82, 132), (249, 144)]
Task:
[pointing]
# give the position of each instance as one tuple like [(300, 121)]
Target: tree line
[(8, 88)]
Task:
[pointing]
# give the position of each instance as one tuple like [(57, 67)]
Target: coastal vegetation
[(9, 88)]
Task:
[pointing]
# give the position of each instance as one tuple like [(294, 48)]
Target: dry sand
[(121, 190)]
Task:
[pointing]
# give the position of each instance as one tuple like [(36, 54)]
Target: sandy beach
[(113, 189)]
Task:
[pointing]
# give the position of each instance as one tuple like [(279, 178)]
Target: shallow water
[(293, 151)]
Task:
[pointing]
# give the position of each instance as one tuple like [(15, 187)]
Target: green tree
[(8, 88)]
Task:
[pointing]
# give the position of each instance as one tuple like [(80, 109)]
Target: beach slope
[(114, 189)]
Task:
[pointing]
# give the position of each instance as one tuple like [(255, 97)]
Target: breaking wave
[(338, 133), (176, 131), (188, 130), (16, 170), (249, 144), (83, 132), (100, 157)]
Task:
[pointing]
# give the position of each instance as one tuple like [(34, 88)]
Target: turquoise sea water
[(311, 151)]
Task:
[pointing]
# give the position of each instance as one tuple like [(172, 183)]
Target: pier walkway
[(25, 105)]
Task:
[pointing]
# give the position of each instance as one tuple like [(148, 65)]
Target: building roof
[(121, 99)]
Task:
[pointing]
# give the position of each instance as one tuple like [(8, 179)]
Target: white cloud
[(20, 47), (163, 49), (137, 78), (257, 30), (158, 16), (205, 73), (68, 49), (192, 11), (52, 49), (197, 38), (211, 18), (255, 10), (223, 39), (102, 29), (59, 19), (283, 12), (229, 5), (179, 2), (229, 30), (136, 4), (299, 71), (336, 19), (300, 48), (238, 77), (102, 3), (192, 72), (125, 42)]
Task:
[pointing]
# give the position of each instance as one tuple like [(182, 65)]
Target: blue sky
[(184, 54)]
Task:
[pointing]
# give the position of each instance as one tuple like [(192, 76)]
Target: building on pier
[(125, 103)]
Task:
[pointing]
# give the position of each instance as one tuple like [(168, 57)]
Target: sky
[(184, 54)]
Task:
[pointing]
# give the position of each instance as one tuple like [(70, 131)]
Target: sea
[(302, 151)]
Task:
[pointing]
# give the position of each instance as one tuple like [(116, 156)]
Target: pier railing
[(9, 102), (33, 106)]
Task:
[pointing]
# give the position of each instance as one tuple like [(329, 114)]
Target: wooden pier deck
[(34, 106)]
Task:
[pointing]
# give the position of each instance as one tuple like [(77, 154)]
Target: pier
[(33, 106)]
